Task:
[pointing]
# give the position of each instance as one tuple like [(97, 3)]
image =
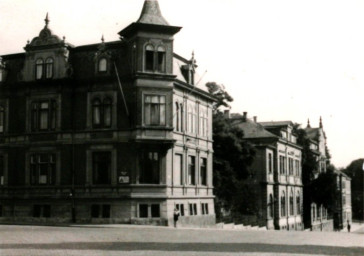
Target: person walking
[(349, 226), (175, 216)]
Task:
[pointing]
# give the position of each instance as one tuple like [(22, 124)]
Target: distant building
[(277, 173), (113, 132), (316, 216), (342, 207)]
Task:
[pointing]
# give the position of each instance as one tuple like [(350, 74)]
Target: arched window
[(283, 204), (49, 68), (107, 112), (149, 58), (298, 203), (161, 51), (39, 69), (270, 206), (291, 208), (2, 119), (96, 113), (102, 67)]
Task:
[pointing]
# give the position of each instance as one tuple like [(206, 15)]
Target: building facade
[(113, 132), (316, 217), (342, 208), (277, 172)]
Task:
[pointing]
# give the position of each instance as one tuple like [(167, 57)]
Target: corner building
[(113, 132)]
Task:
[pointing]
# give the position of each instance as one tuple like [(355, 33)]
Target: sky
[(280, 60)]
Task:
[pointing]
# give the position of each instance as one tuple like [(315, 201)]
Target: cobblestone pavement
[(89, 240)]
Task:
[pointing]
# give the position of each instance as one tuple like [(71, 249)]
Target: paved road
[(140, 240)]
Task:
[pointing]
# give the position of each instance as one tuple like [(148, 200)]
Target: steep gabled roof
[(276, 123), (252, 129)]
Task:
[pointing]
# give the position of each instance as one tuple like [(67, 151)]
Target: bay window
[(155, 110)]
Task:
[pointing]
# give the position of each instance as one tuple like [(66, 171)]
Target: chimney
[(245, 114), (255, 119), (227, 113)]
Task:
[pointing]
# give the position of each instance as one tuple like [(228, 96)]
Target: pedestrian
[(349, 226), (175, 216)]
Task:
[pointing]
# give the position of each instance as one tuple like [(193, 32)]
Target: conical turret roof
[(151, 14)]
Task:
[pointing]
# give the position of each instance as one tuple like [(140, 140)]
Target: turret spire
[(151, 14), (321, 126), (46, 20), (308, 123)]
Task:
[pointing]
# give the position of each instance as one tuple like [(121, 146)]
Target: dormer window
[(161, 58), (102, 67), (39, 69), (44, 70), (49, 68), (149, 58)]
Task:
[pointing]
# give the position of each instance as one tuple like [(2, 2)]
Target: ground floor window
[(193, 209), (1, 210), (42, 169), (101, 168), (149, 211), (41, 211), (150, 168), (100, 211), (204, 208)]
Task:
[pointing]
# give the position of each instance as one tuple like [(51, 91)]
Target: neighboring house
[(113, 132), (342, 207), (277, 172), (316, 216)]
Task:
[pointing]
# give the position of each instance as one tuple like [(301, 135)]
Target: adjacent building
[(113, 132), (342, 207), (277, 172), (316, 217)]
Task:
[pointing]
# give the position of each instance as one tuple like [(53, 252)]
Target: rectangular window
[(150, 168), (177, 170), (41, 211), (270, 163), (100, 211), (290, 166), (143, 211), (204, 208), (106, 211), (191, 170), (43, 115), (95, 211), (155, 210), (203, 171), (155, 110), (193, 209), (101, 168), (149, 211), (42, 169), (1, 170), (181, 209)]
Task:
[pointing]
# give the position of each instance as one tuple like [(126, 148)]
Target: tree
[(355, 171), (232, 156)]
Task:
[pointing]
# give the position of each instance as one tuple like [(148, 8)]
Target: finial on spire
[(321, 122), (46, 20), (102, 38), (308, 123)]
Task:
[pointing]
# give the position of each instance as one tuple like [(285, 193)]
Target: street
[(146, 240)]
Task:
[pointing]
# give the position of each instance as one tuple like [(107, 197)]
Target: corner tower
[(151, 41)]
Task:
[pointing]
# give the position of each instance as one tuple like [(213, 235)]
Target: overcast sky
[(279, 59)]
